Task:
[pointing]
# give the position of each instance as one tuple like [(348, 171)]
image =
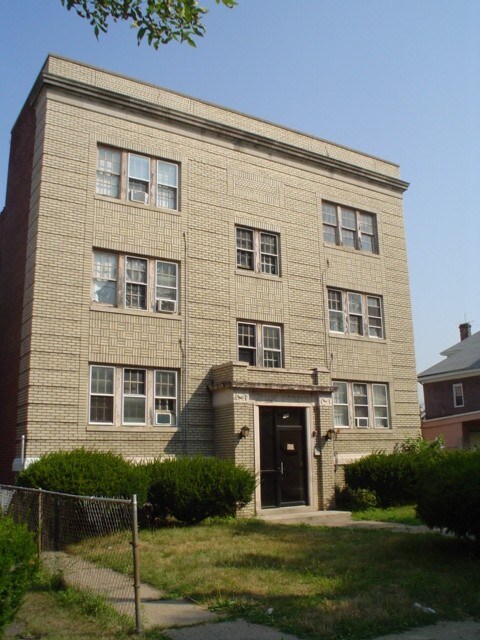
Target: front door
[(282, 457)]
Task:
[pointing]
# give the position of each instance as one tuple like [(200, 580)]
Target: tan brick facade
[(234, 171)]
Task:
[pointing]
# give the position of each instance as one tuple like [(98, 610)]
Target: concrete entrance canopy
[(240, 390)]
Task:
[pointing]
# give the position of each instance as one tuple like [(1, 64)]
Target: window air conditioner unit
[(361, 422), (166, 306), (163, 418), (138, 196)]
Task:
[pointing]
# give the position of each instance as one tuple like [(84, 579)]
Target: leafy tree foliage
[(160, 21)]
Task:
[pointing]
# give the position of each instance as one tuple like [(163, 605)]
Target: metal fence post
[(136, 567), (39, 522)]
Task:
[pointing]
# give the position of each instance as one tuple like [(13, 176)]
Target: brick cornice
[(215, 129)]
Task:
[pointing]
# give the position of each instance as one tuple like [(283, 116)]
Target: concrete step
[(318, 518)]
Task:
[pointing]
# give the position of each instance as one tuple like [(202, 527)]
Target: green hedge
[(193, 489), (449, 494), (393, 477), (87, 473), (18, 566)]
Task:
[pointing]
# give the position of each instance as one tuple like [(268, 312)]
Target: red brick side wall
[(439, 397), (13, 244)]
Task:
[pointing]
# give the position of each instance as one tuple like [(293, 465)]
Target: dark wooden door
[(282, 457)]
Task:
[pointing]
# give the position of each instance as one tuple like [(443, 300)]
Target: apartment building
[(178, 278)]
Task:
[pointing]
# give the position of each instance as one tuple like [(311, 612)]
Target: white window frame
[(134, 395), (160, 186), (335, 225), (259, 350), (455, 387), (256, 254), (151, 285), (172, 288), (123, 191), (334, 312), (103, 273), (174, 414), (103, 395), (372, 319), (374, 410), (378, 406), (355, 314), (137, 283), (368, 322), (108, 180), (344, 385)]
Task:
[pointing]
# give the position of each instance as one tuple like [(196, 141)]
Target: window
[(165, 398), (260, 344), (167, 184), (102, 384), (166, 287), (257, 251), (458, 400), (132, 396), (104, 285), (150, 285), (340, 405), (136, 283), (360, 405), (108, 173), (349, 228), (138, 178), (145, 180), (355, 314)]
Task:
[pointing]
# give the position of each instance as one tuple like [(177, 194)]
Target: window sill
[(137, 205), (348, 336), (256, 274), (357, 252), (111, 428), (135, 312)]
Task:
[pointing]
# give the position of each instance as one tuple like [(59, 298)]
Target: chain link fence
[(86, 542)]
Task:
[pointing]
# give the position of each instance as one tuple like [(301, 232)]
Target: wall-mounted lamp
[(330, 434), (244, 431)]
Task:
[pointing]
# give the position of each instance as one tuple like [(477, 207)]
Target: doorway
[(283, 468)]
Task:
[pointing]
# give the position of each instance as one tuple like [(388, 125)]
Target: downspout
[(185, 347)]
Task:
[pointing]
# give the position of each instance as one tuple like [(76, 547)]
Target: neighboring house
[(451, 390), (178, 278)]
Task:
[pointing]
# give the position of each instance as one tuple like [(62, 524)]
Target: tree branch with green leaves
[(158, 21)]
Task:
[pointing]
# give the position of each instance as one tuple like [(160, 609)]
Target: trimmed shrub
[(393, 477), (87, 473), (355, 499), (448, 495), (18, 566), (193, 489)]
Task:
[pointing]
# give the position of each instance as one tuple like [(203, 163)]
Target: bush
[(393, 477), (448, 495), (355, 499), (87, 473), (18, 565), (193, 489)]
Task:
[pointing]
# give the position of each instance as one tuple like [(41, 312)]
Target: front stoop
[(292, 515)]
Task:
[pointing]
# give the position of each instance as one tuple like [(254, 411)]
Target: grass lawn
[(50, 614), (400, 515), (314, 582)]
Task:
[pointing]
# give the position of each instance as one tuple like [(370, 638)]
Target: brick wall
[(13, 244), (439, 397), (222, 185)]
